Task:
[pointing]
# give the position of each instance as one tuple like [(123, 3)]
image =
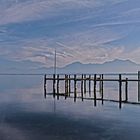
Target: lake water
[(26, 115)]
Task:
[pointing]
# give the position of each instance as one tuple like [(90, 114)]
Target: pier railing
[(94, 81)]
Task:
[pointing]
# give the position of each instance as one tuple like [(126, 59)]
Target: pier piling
[(89, 85), (126, 90), (120, 90), (85, 84), (54, 85), (138, 86), (66, 86), (69, 86), (75, 94), (102, 89), (94, 89), (45, 91), (57, 86), (82, 87)]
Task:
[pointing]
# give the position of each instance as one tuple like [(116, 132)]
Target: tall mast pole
[(55, 77), (55, 62)]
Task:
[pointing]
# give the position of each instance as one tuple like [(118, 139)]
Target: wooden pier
[(91, 86)]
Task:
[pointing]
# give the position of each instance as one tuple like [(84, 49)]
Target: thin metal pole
[(54, 75), (55, 62)]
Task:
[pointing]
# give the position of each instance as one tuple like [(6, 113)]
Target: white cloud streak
[(38, 9), (42, 52), (90, 45), (85, 46)]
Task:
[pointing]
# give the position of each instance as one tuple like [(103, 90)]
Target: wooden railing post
[(58, 86), (54, 85), (82, 87), (102, 88), (45, 90), (126, 90), (85, 84), (120, 91), (138, 85), (69, 85), (66, 87), (75, 94), (94, 89), (89, 85)]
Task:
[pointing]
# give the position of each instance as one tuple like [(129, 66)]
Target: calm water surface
[(26, 115)]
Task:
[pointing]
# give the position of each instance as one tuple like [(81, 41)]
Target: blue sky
[(88, 31)]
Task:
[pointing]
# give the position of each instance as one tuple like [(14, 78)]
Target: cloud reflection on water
[(26, 115)]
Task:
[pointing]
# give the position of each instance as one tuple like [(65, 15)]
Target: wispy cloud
[(41, 51), (31, 10), (89, 31), (18, 11)]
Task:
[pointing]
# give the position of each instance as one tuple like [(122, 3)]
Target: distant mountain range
[(115, 66)]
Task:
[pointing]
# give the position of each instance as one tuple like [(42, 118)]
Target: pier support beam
[(102, 89), (54, 81), (57, 86), (85, 84), (75, 94), (120, 91), (66, 86), (69, 85), (82, 87), (89, 85), (138, 86), (95, 90), (126, 90), (45, 90)]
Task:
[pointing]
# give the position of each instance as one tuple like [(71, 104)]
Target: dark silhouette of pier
[(88, 82)]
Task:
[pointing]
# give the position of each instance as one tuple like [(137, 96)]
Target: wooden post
[(58, 86), (69, 86), (45, 90), (54, 85), (82, 87), (120, 91), (66, 94), (100, 84), (89, 85), (94, 89), (75, 94), (138, 86), (102, 89), (85, 84), (126, 90)]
